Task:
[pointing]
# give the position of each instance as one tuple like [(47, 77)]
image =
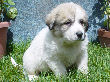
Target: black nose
[(79, 34)]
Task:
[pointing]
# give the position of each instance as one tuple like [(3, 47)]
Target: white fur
[(49, 52)]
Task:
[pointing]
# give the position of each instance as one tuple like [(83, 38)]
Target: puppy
[(61, 44)]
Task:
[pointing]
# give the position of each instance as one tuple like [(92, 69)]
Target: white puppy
[(61, 44)]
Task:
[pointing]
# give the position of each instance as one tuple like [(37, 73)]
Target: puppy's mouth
[(80, 39)]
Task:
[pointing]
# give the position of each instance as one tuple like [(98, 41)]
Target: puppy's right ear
[(50, 21), (87, 26)]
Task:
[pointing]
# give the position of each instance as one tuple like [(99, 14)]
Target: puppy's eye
[(81, 21), (68, 23)]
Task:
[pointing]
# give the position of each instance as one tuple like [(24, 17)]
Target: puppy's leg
[(57, 67), (82, 63), (32, 77)]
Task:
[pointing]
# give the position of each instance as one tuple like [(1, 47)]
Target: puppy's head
[(68, 21)]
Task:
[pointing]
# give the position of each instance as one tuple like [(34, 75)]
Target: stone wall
[(31, 17)]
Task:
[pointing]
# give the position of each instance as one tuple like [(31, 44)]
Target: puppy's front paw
[(32, 77), (61, 73), (83, 69)]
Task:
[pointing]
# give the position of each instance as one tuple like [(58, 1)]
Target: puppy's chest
[(68, 55)]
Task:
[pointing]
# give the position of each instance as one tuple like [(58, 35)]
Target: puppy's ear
[(87, 26), (50, 21)]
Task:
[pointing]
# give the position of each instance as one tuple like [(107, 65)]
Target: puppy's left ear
[(87, 26), (50, 21)]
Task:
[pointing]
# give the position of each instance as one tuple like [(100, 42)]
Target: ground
[(99, 66)]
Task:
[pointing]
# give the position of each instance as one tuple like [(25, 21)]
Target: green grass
[(99, 66)]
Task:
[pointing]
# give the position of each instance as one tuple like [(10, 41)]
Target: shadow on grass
[(9, 46), (17, 47)]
